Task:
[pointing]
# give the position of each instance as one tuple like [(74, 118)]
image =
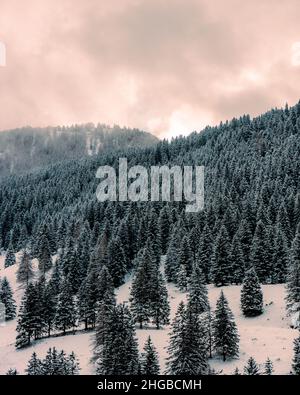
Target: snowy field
[(268, 335)]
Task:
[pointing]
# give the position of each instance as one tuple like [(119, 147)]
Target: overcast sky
[(165, 66)]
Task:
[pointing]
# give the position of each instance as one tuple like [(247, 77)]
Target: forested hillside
[(249, 232), (28, 148)]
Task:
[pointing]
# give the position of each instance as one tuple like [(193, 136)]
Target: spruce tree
[(225, 335), (187, 354), (119, 352), (163, 229), (296, 359), (293, 279), (197, 296), (182, 278), (25, 271), (44, 254), (221, 271), (117, 261), (258, 254), (10, 258), (251, 295), (269, 367), (251, 368), (66, 314), (12, 372), (34, 367), (159, 304), (149, 359), (6, 297)]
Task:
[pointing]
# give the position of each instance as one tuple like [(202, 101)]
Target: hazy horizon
[(166, 67)]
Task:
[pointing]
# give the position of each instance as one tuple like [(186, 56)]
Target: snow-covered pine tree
[(44, 254), (117, 261), (171, 264), (187, 354), (34, 367), (149, 359), (251, 368), (204, 253), (296, 358), (221, 270), (280, 258), (225, 335), (182, 278), (185, 257), (197, 296), (66, 314), (163, 229), (159, 305), (251, 295), (237, 260), (142, 287), (6, 297), (119, 353), (268, 367), (258, 254), (10, 258), (293, 280), (25, 271), (73, 364)]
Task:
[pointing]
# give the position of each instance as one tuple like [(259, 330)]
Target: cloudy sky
[(165, 66)]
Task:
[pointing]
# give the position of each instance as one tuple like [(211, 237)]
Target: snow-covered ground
[(268, 335)]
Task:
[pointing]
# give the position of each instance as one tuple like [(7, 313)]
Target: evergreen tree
[(34, 367), (280, 258), (73, 365), (25, 271), (159, 304), (66, 314), (198, 297), (119, 352), (117, 261), (182, 278), (44, 254), (187, 350), (163, 229), (149, 359), (6, 297), (251, 368), (221, 271), (269, 367), (10, 258), (258, 253), (237, 261), (293, 280), (142, 287), (204, 253), (185, 257), (296, 359), (226, 339), (236, 372), (251, 295)]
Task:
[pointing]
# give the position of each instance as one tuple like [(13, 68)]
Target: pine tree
[(44, 254), (159, 304), (185, 257), (66, 314), (34, 367), (293, 280), (10, 258), (25, 271), (221, 271), (142, 287), (187, 350), (296, 359), (6, 297), (119, 352), (226, 339), (280, 258), (117, 261), (251, 295), (269, 367), (182, 278), (237, 261), (73, 365), (198, 297), (149, 359), (251, 368), (258, 254), (163, 229), (204, 253)]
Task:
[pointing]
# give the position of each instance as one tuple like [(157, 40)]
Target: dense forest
[(248, 232), (28, 148)]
